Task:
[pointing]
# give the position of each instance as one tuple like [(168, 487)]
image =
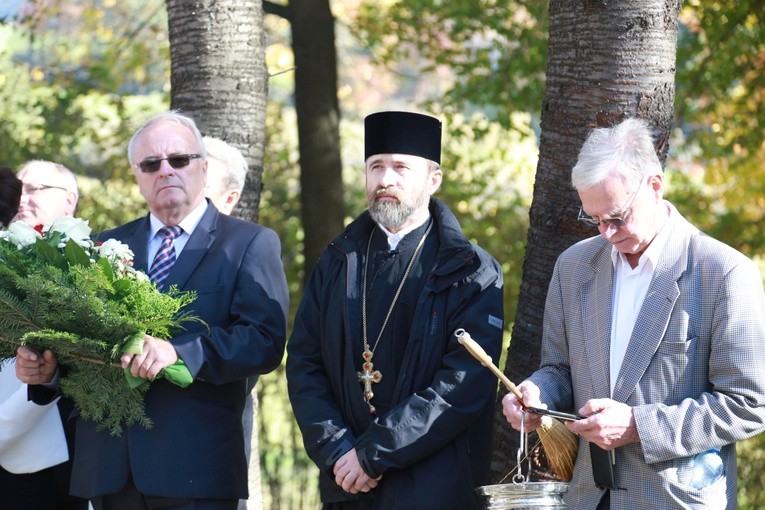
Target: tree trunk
[(252, 448), (219, 77), (607, 61), (318, 117)]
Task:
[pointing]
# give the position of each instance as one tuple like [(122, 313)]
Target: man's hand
[(157, 354), (33, 367), (513, 410), (350, 476), (609, 424)]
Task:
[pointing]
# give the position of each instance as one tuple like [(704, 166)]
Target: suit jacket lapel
[(138, 240), (596, 314), (196, 248), (654, 315)]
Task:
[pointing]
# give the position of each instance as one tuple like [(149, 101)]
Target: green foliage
[(720, 83), (721, 141), (108, 204), (488, 181), (495, 51), (751, 457), (57, 299), (751, 477), (289, 477), (735, 222), (75, 79), (491, 55)]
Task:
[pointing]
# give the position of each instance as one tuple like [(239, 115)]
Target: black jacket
[(433, 446)]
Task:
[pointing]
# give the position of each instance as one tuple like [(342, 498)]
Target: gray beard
[(391, 214)]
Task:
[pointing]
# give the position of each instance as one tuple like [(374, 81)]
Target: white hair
[(69, 180), (231, 161), (626, 150), (171, 116)]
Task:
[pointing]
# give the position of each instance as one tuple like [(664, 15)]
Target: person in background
[(395, 413), (10, 195), (226, 173), (655, 333), (36, 442), (193, 457), (49, 191)]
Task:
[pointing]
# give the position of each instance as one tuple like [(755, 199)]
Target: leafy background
[(77, 77)]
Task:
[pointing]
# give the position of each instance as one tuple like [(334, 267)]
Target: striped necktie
[(165, 257)]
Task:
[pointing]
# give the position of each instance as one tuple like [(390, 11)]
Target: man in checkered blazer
[(655, 333)]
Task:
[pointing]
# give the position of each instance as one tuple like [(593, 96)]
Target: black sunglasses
[(177, 161)]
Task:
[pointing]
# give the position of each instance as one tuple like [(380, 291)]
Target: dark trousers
[(129, 498), (47, 489)]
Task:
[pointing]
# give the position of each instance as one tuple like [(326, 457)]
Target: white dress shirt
[(394, 238), (629, 291), (188, 224)]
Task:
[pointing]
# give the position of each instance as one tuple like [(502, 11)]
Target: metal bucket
[(523, 496)]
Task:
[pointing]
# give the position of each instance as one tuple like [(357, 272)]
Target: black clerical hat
[(402, 133)]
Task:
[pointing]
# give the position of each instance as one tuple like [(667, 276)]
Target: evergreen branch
[(56, 298), (73, 355)]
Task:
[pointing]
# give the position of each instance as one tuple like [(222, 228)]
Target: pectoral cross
[(367, 376)]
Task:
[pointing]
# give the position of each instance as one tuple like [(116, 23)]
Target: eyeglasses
[(32, 188), (618, 220), (178, 161)]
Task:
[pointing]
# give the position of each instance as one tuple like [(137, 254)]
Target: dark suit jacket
[(195, 448)]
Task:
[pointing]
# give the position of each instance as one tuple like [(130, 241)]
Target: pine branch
[(84, 314)]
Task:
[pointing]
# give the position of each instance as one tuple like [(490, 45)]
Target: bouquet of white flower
[(83, 300)]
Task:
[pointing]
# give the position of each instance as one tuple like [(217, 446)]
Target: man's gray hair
[(231, 159), (626, 150), (70, 180), (171, 116)]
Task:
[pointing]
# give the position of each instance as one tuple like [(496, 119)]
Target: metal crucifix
[(367, 376)]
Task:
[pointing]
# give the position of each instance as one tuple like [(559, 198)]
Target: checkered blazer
[(694, 371)]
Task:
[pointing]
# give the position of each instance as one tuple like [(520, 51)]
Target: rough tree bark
[(219, 77)]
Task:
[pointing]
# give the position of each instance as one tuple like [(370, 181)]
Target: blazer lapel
[(138, 240), (596, 313), (654, 315), (195, 250)]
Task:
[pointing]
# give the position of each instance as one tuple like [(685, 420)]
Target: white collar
[(187, 224), (394, 239)]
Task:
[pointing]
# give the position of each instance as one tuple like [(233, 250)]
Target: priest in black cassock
[(393, 410)]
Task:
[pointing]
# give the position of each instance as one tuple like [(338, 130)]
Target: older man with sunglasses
[(655, 333), (193, 457)]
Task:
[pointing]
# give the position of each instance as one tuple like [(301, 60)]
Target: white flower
[(114, 250), (137, 275), (72, 228), (20, 234), (120, 256)]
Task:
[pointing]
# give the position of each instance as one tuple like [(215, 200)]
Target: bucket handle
[(522, 453)]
